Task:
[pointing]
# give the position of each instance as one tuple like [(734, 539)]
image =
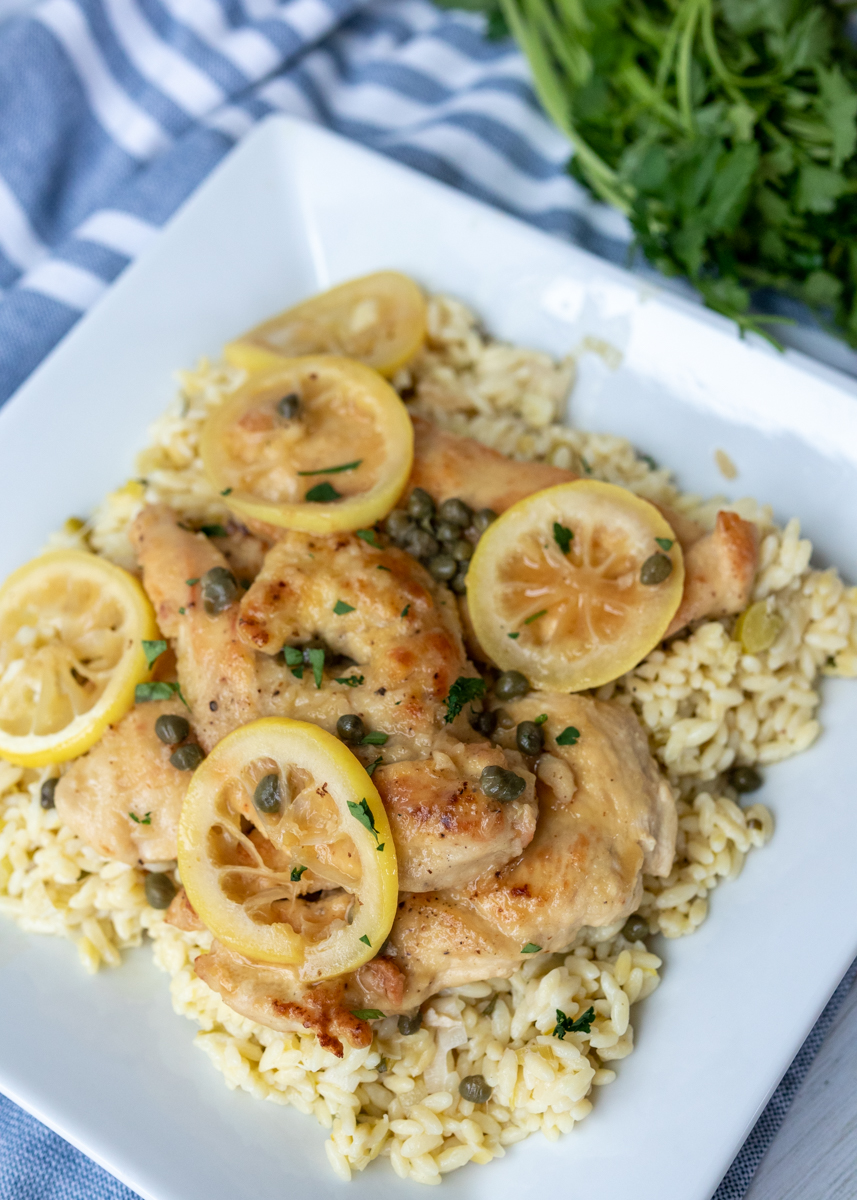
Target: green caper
[(500, 784), (475, 1089), (420, 505), (421, 544), (267, 797), (410, 1023), (172, 729), (484, 722), (219, 590), (442, 567), (456, 512), (636, 928), (46, 793), (187, 757), (458, 583), (349, 728), (160, 889), (445, 531), (745, 779), (289, 406), (510, 685), (529, 738), (484, 518), (655, 569), (398, 525), (462, 550)]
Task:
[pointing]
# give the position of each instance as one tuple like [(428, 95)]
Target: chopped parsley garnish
[(649, 461), (513, 636), (334, 470), (368, 535), (153, 651), (530, 948), (294, 660), (381, 567), (373, 766), (191, 582), (322, 493), (376, 738), (213, 530), (351, 680), (569, 736), (540, 719), (565, 1024), (367, 1014), (665, 543), (341, 608), (563, 536), (316, 661), (463, 691), (364, 940), (296, 873), (158, 691), (363, 813), (226, 492), (586, 465), (181, 611), (147, 820), (405, 610), (535, 616)]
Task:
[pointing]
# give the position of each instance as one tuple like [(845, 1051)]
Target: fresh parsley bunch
[(724, 129)]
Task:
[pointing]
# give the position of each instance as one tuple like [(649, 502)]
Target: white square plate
[(295, 209)]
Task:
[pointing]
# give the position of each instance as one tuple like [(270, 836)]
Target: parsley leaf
[(363, 813), (540, 719), (341, 608), (352, 466), (367, 1014), (322, 493), (563, 536), (191, 582), (153, 651), (316, 661), (530, 948), (405, 610), (569, 736), (376, 738), (513, 636), (293, 656), (158, 691), (464, 691), (226, 492), (351, 680), (373, 766), (565, 1025), (381, 567), (535, 616), (665, 543), (296, 873), (146, 820), (368, 535), (365, 940), (213, 530)]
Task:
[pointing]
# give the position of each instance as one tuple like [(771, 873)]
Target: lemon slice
[(318, 825), (379, 320), (574, 585), (320, 444), (71, 632)]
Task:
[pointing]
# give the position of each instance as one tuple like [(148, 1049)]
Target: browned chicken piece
[(398, 628), (127, 772), (182, 914), (216, 669), (446, 830), (719, 567)]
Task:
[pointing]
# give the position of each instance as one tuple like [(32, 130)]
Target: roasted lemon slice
[(278, 811), (574, 585), (379, 320), (71, 632), (320, 444)]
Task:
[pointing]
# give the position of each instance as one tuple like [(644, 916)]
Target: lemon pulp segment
[(379, 319), (339, 463), (71, 632), (555, 590), (329, 834)]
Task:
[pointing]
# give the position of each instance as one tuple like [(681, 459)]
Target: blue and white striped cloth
[(111, 113)]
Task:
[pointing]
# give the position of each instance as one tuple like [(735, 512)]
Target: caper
[(267, 797), (398, 525), (655, 569), (442, 567), (421, 544), (500, 784), (172, 729), (160, 889), (529, 738), (289, 406), (46, 794), (458, 583), (420, 505), (475, 1089), (456, 512), (349, 728), (484, 518), (219, 589), (462, 550), (187, 757), (410, 1023), (445, 531), (510, 685), (745, 779), (636, 928), (484, 722)]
